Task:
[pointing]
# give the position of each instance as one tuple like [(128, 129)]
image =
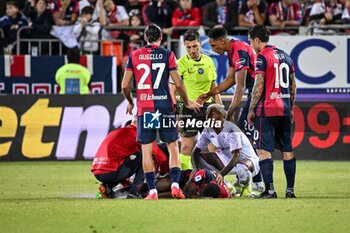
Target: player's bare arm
[(127, 91), (258, 89), (195, 158), (229, 166), (226, 84), (173, 91), (293, 90), (237, 97), (217, 97), (180, 87)]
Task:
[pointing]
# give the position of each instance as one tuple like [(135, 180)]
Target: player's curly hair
[(216, 107), (191, 35), (261, 32), (153, 33)]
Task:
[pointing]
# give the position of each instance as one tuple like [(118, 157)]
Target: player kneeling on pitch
[(118, 158), (235, 154)]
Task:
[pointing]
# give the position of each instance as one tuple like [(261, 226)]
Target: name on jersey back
[(151, 56)]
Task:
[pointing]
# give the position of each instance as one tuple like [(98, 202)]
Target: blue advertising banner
[(24, 74)]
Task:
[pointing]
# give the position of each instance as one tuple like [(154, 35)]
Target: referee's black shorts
[(186, 115)]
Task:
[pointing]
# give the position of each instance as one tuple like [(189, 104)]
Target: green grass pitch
[(57, 197)]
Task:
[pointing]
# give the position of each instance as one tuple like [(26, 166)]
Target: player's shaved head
[(261, 32), (217, 33), (153, 33), (211, 190)]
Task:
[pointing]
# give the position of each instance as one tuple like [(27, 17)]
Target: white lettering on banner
[(95, 120), (120, 118)]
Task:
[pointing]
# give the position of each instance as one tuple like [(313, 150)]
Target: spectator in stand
[(99, 13), (10, 23), (66, 12), (158, 12), (285, 13), (305, 7), (116, 16), (346, 12), (86, 30), (185, 15), (133, 7), (252, 12), (220, 13), (135, 37), (337, 11), (41, 23), (326, 12)]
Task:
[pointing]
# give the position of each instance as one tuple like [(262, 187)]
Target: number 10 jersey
[(277, 66)]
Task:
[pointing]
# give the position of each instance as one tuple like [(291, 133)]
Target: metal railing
[(338, 29), (40, 42), (168, 42), (52, 41)]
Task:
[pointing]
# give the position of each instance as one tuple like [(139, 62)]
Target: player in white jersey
[(235, 154)]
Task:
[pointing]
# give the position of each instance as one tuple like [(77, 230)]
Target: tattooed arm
[(293, 89), (257, 93)]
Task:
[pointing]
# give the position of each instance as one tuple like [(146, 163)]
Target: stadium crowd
[(87, 21)]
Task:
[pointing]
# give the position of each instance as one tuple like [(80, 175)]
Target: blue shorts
[(167, 132), (273, 132), (242, 122)]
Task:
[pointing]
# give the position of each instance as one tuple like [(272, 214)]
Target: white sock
[(153, 191), (174, 184)]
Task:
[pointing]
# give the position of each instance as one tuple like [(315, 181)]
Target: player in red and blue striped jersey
[(271, 108), (151, 66)]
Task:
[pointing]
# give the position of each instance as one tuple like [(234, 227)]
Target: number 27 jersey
[(151, 66)]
